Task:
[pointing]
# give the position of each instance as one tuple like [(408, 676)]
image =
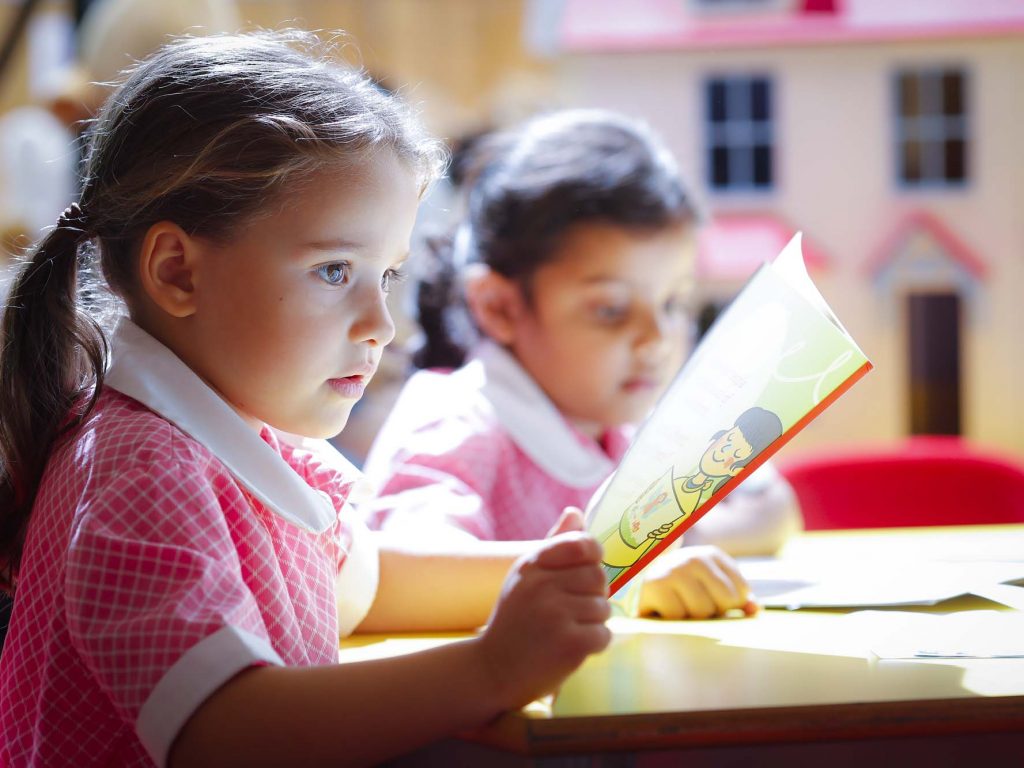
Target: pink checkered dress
[(482, 451), (152, 573)]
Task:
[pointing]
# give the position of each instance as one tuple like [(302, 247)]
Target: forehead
[(593, 253), (354, 201)]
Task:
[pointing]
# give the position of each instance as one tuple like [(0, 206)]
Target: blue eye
[(335, 273), (391, 278)]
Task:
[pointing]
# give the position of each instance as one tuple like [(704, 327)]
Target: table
[(784, 688)]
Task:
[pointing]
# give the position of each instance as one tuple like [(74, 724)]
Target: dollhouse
[(888, 132)]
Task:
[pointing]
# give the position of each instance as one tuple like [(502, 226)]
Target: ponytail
[(53, 357), (440, 309), (243, 120)]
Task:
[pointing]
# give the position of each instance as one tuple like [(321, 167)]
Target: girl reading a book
[(182, 571), (561, 300)]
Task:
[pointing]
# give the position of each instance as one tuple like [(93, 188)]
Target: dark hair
[(209, 133), (760, 428), (528, 188)]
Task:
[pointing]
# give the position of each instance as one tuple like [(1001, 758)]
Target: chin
[(317, 428)]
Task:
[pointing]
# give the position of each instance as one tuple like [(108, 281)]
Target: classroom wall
[(463, 61)]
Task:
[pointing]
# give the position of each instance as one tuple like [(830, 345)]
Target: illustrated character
[(658, 511)]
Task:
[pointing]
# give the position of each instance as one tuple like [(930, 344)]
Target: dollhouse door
[(934, 354)]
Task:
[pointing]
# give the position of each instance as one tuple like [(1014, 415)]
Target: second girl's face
[(606, 326), (292, 318)]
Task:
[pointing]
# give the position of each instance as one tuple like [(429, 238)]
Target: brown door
[(934, 333)]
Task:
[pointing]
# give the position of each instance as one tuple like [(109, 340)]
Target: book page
[(773, 358)]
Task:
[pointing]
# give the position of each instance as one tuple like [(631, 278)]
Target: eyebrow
[(333, 245), (600, 279)]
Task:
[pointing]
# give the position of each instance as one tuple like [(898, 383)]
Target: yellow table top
[(664, 682)]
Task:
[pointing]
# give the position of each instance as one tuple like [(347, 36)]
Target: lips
[(641, 384), (354, 384), (349, 386)]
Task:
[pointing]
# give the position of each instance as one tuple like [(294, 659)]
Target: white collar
[(533, 421), (147, 371)]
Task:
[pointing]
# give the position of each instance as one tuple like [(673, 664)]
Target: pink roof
[(923, 220), (732, 246), (639, 25)]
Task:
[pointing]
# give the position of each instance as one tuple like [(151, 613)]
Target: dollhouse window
[(931, 127), (740, 137)]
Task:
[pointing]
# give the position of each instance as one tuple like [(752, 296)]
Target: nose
[(372, 323), (655, 329), (662, 339)]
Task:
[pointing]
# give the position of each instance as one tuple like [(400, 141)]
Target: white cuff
[(203, 669), (356, 585)]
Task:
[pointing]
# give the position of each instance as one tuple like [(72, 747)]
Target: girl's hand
[(549, 618), (571, 519), (694, 583)]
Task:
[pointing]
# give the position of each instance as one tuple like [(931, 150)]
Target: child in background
[(181, 571), (575, 265)]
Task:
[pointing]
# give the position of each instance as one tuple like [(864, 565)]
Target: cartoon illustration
[(671, 499)]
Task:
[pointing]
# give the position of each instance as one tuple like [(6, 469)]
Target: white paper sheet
[(862, 584)]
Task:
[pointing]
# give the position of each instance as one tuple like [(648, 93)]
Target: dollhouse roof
[(642, 25), (924, 225), (732, 246)]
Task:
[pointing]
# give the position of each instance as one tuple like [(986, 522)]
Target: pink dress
[(482, 452), (170, 547)]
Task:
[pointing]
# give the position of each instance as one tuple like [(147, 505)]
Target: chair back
[(921, 481)]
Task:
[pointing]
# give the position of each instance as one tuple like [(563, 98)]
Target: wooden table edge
[(521, 734)]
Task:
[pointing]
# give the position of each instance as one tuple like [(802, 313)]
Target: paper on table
[(1007, 594), (865, 583), (961, 635)]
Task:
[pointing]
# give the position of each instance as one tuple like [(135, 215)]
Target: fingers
[(699, 601), (731, 571), (594, 637), (590, 609), (569, 550), (661, 601), (583, 580), (701, 584), (722, 590), (571, 519)]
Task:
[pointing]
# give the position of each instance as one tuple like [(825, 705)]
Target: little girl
[(182, 571), (575, 263)]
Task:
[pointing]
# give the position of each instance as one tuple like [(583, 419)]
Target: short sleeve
[(438, 486), (156, 602)]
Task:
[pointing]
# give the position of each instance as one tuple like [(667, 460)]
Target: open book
[(774, 360)]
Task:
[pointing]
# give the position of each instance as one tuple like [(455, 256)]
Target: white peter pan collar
[(147, 371), (533, 421)]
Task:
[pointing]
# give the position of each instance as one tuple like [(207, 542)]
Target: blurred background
[(888, 132)]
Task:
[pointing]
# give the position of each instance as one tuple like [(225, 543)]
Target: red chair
[(922, 481)]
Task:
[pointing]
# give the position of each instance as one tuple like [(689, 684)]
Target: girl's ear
[(167, 263), (495, 301)]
